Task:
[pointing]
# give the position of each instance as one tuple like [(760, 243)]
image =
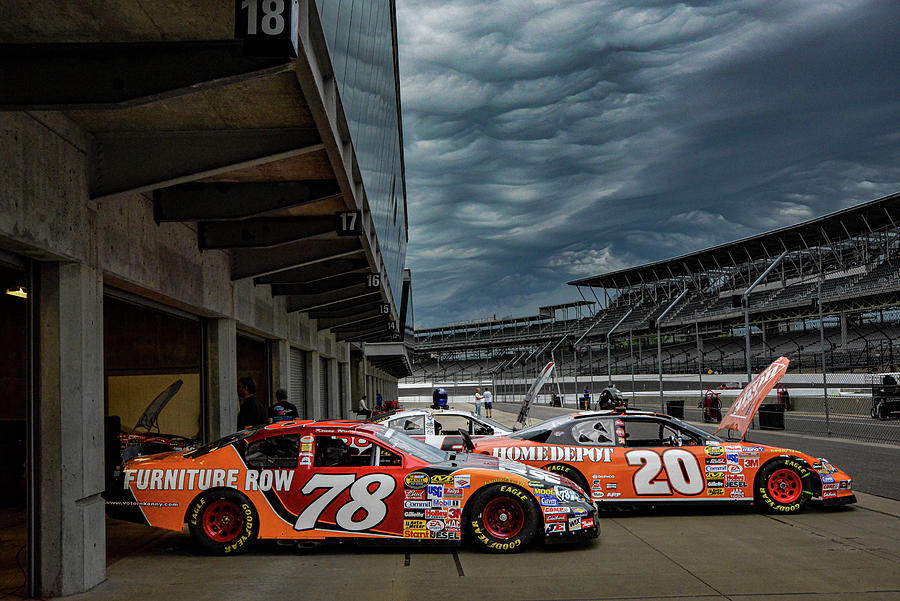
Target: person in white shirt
[(478, 398), (363, 408), (488, 403)]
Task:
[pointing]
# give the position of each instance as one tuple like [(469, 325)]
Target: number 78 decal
[(360, 498), (681, 467)]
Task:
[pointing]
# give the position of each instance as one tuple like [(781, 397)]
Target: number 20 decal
[(681, 468), (360, 498)]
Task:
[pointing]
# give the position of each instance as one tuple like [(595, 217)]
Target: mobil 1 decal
[(345, 501), (674, 471)]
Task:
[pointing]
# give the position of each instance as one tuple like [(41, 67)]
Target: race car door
[(353, 488), (664, 462)]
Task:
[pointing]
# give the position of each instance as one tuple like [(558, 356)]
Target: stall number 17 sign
[(268, 27)]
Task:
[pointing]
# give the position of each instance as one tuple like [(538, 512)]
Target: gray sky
[(547, 141)]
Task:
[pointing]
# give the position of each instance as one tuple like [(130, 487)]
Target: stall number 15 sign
[(268, 27)]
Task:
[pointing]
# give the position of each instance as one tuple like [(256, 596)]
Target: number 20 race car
[(640, 456), (308, 481)]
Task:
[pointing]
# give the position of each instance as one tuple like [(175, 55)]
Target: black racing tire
[(223, 522), (571, 473), (503, 518), (783, 486)]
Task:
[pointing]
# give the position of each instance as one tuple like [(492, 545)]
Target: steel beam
[(343, 323), (263, 233), (304, 303), (228, 200), (120, 74), (249, 262), (141, 161), (335, 284), (317, 271)]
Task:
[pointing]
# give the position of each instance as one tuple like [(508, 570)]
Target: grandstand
[(844, 266)]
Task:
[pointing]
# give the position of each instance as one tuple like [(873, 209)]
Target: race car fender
[(811, 478)]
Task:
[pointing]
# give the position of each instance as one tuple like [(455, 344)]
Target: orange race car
[(640, 456), (308, 481)]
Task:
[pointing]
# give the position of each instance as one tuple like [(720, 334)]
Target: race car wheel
[(503, 519), (223, 522), (782, 486), (571, 473)]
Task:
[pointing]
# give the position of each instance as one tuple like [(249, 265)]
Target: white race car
[(441, 428)]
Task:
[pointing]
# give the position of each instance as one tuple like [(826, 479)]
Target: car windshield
[(703, 434), (493, 424), (411, 446), (218, 444), (538, 429)]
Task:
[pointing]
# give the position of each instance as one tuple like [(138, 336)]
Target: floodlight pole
[(608, 347), (745, 300), (659, 319)]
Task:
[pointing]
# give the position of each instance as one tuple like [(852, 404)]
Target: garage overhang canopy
[(390, 357)]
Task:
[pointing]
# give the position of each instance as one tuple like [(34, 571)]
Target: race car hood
[(740, 414), (151, 413)]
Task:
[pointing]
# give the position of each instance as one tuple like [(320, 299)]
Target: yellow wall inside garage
[(128, 397)]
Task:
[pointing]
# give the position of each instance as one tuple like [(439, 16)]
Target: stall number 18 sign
[(267, 26)]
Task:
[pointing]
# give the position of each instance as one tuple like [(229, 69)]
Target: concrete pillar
[(347, 399), (71, 524), (221, 378), (334, 402), (281, 368), (313, 378), (843, 329)]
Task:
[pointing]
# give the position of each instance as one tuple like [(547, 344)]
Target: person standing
[(379, 401), (283, 410), (478, 398), (586, 400), (251, 413), (488, 403)]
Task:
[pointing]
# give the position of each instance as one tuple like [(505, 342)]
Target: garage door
[(323, 388), (298, 381)]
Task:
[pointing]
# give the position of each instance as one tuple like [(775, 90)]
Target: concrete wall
[(46, 213)]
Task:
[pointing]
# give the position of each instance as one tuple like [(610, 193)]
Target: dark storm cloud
[(551, 140)]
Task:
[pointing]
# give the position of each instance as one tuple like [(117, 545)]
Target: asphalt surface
[(705, 553)]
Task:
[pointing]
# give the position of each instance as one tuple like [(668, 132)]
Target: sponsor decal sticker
[(414, 495), (417, 504), (734, 469), (445, 503), (735, 484), (715, 475), (751, 462), (716, 492), (416, 480), (732, 448), (548, 501), (556, 510), (555, 517), (461, 481), (737, 494), (441, 479), (554, 453), (453, 493), (415, 534), (574, 524), (611, 486), (555, 528), (414, 524), (454, 513), (587, 522), (826, 495), (829, 487), (752, 449), (613, 494), (305, 461), (827, 479), (715, 483), (414, 514), (715, 468), (600, 476), (435, 491), (731, 457), (597, 494), (544, 491), (715, 461), (306, 438), (306, 447), (714, 451), (435, 525)]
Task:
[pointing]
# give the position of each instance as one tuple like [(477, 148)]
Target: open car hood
[(148, 418), (745, 406)]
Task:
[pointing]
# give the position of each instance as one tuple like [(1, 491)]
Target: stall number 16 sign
[(268, 27)]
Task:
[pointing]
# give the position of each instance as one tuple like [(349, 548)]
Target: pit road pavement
[(693, 553)]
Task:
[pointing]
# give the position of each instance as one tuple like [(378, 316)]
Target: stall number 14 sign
[(268, 27)]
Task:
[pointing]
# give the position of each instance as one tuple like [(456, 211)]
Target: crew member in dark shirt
[(283, 410), (252, 412)]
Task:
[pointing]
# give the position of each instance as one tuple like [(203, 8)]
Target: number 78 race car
[(308, 481)]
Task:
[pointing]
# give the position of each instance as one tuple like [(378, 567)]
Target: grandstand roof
[(866, 218)]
